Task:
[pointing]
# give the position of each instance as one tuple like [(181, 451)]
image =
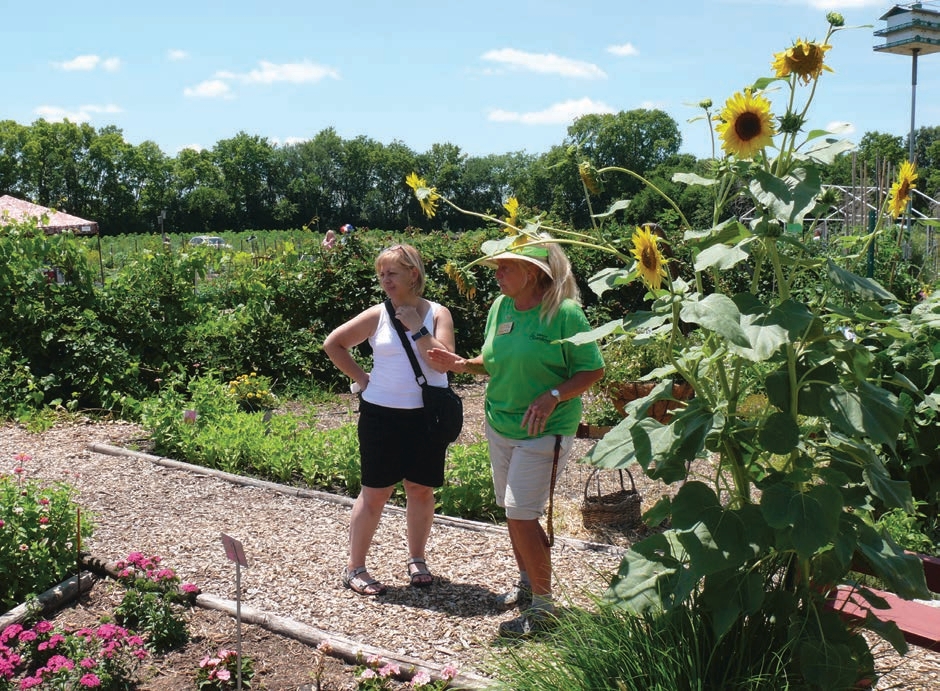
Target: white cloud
[(175, 55), (86, 63), (558, 114), (544, 63), (80, 114), (292, 72), (623, 50), (211, 88)]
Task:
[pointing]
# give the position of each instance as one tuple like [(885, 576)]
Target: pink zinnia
[(22, 457)]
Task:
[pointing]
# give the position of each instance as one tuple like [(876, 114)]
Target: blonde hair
[(407, 256), (559, 288)]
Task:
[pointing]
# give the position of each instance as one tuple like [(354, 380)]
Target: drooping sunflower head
[(466, 284), (512, 208), (900, 192), (427, 196), (745, 125), (651, 264), (804, 59), (586, 171)]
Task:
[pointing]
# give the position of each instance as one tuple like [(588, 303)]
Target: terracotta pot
[(622, 393)]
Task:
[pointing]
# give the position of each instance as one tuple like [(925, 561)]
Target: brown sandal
[(364, 585), (420, 576)]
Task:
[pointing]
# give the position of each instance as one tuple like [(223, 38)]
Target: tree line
[(246, 182)]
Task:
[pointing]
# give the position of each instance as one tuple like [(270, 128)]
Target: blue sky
[(488, 76)]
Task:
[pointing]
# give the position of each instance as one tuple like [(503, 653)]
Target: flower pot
[(622, 393), (587, 431)]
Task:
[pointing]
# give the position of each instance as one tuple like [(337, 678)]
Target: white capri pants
[(522, 472)]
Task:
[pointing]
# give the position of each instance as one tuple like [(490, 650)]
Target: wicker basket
[(620, 508)]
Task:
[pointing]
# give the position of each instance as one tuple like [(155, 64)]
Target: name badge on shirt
[(504, 328)]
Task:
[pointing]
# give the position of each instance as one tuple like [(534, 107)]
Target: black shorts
[(394, 446)]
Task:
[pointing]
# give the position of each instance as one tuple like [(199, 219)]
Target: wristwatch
[(557, 394), (420, 333)]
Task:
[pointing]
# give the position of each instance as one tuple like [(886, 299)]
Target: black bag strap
[(419, 375)]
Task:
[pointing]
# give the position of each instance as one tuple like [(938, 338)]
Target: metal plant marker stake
[(235, 552)]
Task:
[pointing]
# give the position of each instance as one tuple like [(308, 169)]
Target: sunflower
[(426, 196), (650, 262), (745, 125), (900, 192), (466, 285), (586, 171), (804, 59), (512, 208)]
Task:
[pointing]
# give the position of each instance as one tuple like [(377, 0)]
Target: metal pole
[(914, 52)]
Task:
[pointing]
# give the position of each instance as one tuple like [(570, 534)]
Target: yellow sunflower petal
[(512, 208), (804, 59), (427, 196), (650, 262), (745, 125), (900, 193)]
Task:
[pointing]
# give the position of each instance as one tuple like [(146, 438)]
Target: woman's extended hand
[(445, 358)]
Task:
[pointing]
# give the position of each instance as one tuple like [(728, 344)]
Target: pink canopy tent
[(49, 220)]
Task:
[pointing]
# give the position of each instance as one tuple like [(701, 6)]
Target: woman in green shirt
[(533, 406)]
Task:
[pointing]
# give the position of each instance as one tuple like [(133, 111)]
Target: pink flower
[(44, 501), (19, 470), (420, 679), (43, 626), (189, 588), (22, 457), (223, 674), (90, 681), (390, 670), (325, 647), (10, 632), (368, 674), (43, 520), (189, 416), (30, 682), (87, 663), (27, 636), (2, 523), (449, 672)]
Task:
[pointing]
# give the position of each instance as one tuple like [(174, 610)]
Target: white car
[(210, 241)]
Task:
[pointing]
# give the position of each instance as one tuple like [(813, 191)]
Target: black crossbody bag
[(443, 408)]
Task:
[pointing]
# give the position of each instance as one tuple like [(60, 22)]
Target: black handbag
[(443, 408)]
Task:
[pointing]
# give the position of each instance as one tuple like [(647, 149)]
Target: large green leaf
[(780, 433), (865, 288), (727, 594), (866, 411), (809, 520), (789, 199), (717, 313), (608, 278), (902, 572), (652, 575), (720, 258)]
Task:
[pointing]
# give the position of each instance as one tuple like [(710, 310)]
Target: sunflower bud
[(705, 104), (835, 19), (791, 123)]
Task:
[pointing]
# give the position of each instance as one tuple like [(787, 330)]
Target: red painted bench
[(919, 622)]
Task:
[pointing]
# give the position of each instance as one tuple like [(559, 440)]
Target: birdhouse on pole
[(911, 30)]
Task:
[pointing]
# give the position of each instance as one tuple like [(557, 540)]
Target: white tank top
[(392, 380)]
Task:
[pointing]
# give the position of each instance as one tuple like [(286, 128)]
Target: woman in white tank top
[(393, 443)]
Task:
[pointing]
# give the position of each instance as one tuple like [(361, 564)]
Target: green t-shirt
[(523, 361)]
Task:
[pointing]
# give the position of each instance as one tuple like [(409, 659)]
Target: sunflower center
[(649, 258), (747, 126)]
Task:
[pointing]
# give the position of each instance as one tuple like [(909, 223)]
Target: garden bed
[(296, 547)]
